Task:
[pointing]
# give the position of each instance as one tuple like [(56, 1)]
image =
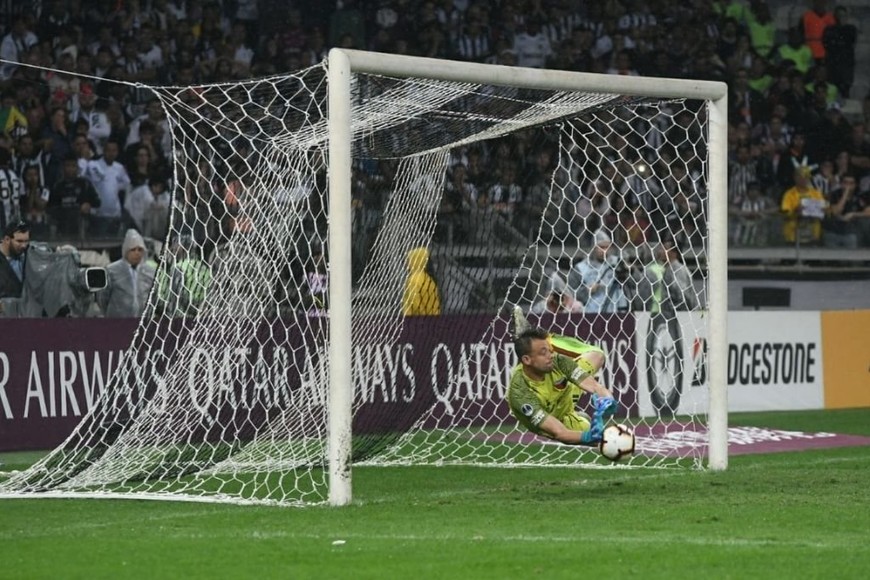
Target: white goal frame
[(343, 63)]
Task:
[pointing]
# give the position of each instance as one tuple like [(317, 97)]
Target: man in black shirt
[(71, 201)]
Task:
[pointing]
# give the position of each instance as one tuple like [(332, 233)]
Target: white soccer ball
[(617, 442)]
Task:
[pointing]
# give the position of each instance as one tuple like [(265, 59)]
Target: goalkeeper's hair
[(523, 342)]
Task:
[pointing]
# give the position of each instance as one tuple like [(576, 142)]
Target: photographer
[(16, 238), (595, 283), (48, 283)]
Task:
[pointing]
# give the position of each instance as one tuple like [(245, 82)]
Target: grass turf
[(800, 514)]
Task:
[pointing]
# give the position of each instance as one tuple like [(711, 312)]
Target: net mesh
[(586, 210)]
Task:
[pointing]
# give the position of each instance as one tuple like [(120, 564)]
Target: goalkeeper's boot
[(518, 323)]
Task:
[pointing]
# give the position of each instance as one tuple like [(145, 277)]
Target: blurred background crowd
[(84, 159)]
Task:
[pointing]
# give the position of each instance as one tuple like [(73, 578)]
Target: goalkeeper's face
[(540, 358)]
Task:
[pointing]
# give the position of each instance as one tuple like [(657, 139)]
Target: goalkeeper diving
[(546, 385)]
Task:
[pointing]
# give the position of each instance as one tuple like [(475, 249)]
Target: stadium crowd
[(84, 159)]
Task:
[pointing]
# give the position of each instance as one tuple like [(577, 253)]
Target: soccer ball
[(617, 442)]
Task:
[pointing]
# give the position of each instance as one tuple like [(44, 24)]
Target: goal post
[(342, 63), (340, 284), (282, 345)]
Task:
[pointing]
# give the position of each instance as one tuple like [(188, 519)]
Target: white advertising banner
[(774, 362)]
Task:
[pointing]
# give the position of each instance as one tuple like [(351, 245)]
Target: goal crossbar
[(342, 64)]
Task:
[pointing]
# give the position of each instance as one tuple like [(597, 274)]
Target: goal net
[(588, 208)]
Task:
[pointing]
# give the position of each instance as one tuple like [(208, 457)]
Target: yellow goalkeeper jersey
[(531, 401)]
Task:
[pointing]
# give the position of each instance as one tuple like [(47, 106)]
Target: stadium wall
[(53, 371)]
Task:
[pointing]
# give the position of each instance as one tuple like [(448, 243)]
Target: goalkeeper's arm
[(593, 387), (555, 429)]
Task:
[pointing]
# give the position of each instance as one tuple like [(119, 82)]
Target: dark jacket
[(10, 285)]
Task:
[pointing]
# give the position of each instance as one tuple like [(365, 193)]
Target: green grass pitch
[(781, 515)]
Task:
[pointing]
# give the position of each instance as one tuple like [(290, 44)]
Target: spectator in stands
[(531, 45), (665, 285), (26, 154), (112, 183), (63, 82), (792, 159), (13, 122), (154, 119), (129, 280), (819, 76), (148, 207), (348, 18), (813, 24), (71, 201), (742, 171), (240, 50), (474, 44), (728, 37), (132, 69), (11, 189), (432, 42), (593, 280), (103, 61), (752, 212), (830, 133), (760, 78), (849, 215), (804, 208), (839, 41), (460, 196), (745, 103), (138, 164), (622, 65), (58, 144), (421, 296), (34, 200), (843, 165), (761, 29), (826, 179), (506, 194), (84, 107), (796, 52), (775, 134), (859, 151), (83, 151), (15, 45), (742, 57)]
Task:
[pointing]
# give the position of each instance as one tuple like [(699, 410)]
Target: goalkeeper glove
[(592, 436), (604, 406)]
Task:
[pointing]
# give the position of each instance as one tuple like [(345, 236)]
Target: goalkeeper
[(545, 386)]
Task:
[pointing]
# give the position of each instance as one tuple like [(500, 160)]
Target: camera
[(92, 279), (55, 284)]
